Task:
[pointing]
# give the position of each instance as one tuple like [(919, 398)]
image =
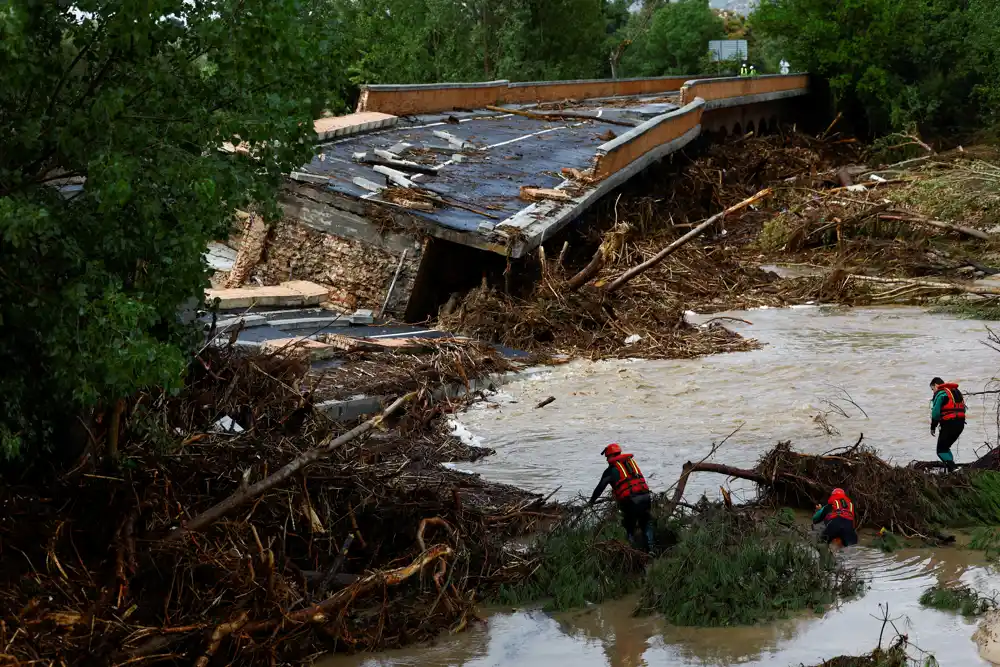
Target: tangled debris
[(911, 500), (862, 235), (369, 547)]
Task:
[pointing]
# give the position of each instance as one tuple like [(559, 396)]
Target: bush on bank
[(719, 567)]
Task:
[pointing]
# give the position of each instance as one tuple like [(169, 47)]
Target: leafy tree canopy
[(129, 103)]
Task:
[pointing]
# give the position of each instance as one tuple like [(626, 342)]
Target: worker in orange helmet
[(838, 515), (631, 492)]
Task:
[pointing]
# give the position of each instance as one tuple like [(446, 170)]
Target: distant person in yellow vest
[(948, 412), (744, 71)]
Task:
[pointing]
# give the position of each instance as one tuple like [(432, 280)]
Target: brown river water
[(668, 412)]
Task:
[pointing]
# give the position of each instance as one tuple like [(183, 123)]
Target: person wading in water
[(948, 412), (632, 493), (838, 515)]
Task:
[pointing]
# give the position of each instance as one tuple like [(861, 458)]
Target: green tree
[(890, 63), (113, 177), (678, 37)]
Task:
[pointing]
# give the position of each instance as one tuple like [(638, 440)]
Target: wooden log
[(557, 116), (940, 224), (697, 231), (968, 289), (298, 464)]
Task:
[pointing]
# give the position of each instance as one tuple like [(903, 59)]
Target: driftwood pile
[(915, 500), (267, 546)]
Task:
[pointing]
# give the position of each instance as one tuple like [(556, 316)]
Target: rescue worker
[(631, 492), (948, 412), (744, 71), (838, 514)]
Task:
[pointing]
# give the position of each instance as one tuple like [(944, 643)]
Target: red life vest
[(630, 480), (841, 508), (952, 409)]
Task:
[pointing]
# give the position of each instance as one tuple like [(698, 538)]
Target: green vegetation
[(964, 505), (958, 597), (973, 309), (720, 568), (677, 39), (986, 540), (578, 563), (726, 570), (894, 64), (135, 101), (887, 542)]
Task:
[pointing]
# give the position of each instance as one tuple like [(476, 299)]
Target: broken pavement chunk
[(314, 350), (537, 194), (291, 293), (452, 139)]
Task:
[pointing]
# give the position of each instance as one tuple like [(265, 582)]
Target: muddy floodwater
[(816, 364)]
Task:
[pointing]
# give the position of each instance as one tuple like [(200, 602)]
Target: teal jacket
[(937, 403), (821, 512)]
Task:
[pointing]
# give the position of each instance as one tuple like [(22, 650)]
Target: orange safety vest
[(630, 480), (952, 409), (841, 508)]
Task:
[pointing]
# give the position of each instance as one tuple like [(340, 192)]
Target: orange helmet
[(837, 494), (612, 450)]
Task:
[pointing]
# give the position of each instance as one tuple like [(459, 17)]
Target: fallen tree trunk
[(216, 512), (969, 289), (950, 226), (559, 116), (697, 231)]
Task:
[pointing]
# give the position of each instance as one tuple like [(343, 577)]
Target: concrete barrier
[(583, 89), (403, 100), (409, 100), (632, 145), (736, 91)]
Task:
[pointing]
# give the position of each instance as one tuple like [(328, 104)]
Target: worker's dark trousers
[(842, 528), (948, 432), (635, 514)]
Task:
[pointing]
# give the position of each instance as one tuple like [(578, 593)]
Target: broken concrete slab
[(351, 124), (244, 320), (291, 293), (362, 316), (313, 349), (220, 257)]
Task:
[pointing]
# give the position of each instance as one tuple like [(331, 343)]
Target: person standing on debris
[(838, 514), (631, 492), (948, 412)]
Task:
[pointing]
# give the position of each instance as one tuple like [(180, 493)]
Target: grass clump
[(776, 233), (730, 569), (887, 542), (978, 309), (986, 540), (958, 597), (579, 561)]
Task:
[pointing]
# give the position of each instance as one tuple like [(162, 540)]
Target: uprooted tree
[(130, 133)]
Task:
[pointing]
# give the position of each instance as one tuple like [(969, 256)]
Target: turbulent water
[(823, 377)]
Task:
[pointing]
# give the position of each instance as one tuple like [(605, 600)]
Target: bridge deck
[(503, 153)]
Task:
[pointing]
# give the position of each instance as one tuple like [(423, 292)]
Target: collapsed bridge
[(411, 198)]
